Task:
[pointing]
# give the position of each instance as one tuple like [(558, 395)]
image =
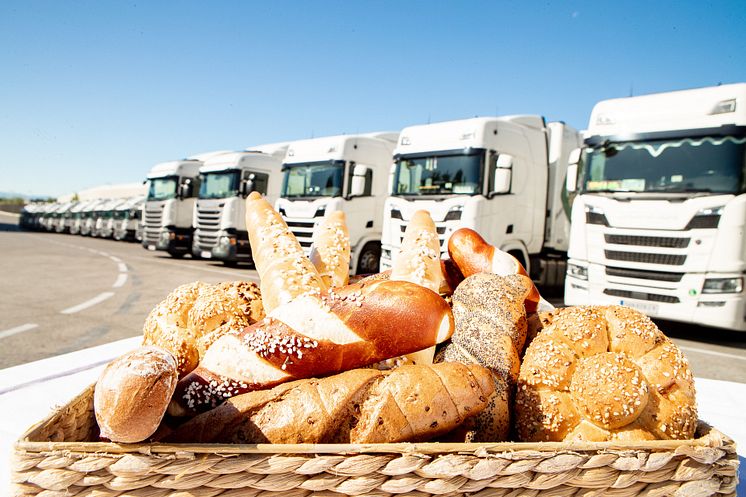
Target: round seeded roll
[(133, 392), (196, 314), (604, 373)]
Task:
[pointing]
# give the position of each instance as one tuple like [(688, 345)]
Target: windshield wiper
[(682, 190)]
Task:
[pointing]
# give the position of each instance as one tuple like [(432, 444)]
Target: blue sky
[(96, 92)]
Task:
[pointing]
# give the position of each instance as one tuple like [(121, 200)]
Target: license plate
[(206, 254), (644, 307), (151, 247)]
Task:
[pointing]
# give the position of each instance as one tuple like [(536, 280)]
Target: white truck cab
[(172, 189), (346, 173), (220, 211), (501, 176), (128, 218), (659, 222)]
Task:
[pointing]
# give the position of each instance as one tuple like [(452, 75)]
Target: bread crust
[(330, 251), (604, 373), (132, 393)]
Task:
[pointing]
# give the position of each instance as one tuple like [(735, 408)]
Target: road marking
[(122, 267), (115, 259), (121, 280), (712, 352), (18, 329), (88, 303)]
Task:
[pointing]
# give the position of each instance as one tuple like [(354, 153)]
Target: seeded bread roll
[(133, 392), (604, 373), (490, 321), (196, 314)]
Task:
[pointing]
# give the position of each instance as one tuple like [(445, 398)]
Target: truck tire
[(369, 261)]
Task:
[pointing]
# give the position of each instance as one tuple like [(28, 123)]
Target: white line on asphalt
[(104, 254), (115, 259), (88, 303), (122, 267), (712, 352), (121, 280), (18, 329)]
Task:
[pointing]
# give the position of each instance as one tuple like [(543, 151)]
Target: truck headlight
[(580, 272), (594, 215), (708, 218), (723, 285), (165, 236), (454, 214)]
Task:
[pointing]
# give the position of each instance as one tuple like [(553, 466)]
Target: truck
[(658, 223), (128, 220), (220, 212), (501, 176), (172, 189), (348, 173)]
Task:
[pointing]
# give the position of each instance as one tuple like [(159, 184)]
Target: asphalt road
[(61, 293)]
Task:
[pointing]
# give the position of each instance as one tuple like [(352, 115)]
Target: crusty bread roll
[(412, 403), (418, 262), (196, 314), (284, 271), (472, 254), (490, 330), (133, 392), (604, 373), (348, 328), (330, 251)]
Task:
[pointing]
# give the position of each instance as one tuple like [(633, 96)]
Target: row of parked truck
[(647, 207)]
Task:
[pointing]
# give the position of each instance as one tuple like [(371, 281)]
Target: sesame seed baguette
[(330, 251), (349, 328), (412, 403), (472, 254), (284, 271), (418, 262)]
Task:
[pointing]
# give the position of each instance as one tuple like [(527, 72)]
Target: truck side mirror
[(247, 186), (185, 189), (571, 183), (503, 175), (357, 185)]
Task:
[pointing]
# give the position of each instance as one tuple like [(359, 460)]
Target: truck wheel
[(370, 259)]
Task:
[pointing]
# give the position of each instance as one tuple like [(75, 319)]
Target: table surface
[(36, 388)]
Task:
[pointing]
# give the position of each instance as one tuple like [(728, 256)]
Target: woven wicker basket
[(56, 458)]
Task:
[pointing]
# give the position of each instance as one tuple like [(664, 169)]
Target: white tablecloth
[(30, 391)]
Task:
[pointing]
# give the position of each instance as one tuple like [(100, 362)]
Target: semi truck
[(659, 220), (501, 176), (348, 173), (128, 220), (219, 213), (172, 189)]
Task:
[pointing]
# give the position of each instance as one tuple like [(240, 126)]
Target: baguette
[(412, 403), (418, 262), (284, 270), (330, 251), (353, 327)]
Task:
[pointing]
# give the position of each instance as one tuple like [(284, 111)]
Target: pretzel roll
[(309, 337), (604, 373), (284, 270), (330, 251), (472, 254)]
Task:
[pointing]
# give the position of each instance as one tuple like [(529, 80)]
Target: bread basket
[(56, 457)]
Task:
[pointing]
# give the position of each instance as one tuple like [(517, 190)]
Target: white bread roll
[(330, 251), (133, 392)]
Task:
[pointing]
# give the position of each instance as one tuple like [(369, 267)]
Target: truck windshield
[(689, 165), (221, 184), (458, 174), (162, 188), (313, 179)]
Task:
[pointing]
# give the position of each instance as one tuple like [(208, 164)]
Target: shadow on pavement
[(9, 226)]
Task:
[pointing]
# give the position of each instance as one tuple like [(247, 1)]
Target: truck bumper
[(230, 247), (683, 302)]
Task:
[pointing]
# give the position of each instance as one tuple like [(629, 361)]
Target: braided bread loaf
[(604, 373)]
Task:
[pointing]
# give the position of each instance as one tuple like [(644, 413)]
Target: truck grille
[(206, 231), (303, 231), (648, 241), (643, 275), (665, 259), (653, 297), (151, 223)]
